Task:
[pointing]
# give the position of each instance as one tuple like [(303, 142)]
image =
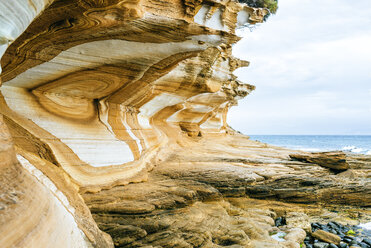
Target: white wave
[(366, 225), (348, 148), (356, 150), (352, 149)]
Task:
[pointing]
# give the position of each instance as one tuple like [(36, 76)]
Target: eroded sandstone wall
[(113, 118), (102, 85), (93, 92)]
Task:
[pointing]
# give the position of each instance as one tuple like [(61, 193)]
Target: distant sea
[(316, 143)]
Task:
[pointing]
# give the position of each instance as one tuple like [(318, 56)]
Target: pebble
[(367, 241), (321, 245), (364, 245), (347, 240), (315, 225), (326, 236), (333, 225), (280, 221), (351, 236), (343, 245)]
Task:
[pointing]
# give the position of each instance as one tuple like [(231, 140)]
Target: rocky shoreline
[(114, 133), (215, 198), (338, 235), (330, 235)]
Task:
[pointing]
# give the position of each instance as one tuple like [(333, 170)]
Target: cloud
[(310, 64)]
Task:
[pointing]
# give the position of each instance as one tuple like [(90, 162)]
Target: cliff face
[(91, 90), (96, 94), (102, 85)]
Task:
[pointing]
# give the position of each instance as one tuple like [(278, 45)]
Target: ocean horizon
[(360, 144)]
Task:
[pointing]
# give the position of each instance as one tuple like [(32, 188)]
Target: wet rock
[(349, 237), (280, 221), (367, 241), (343, 245), (364, 245), (334, 226), (327, 237), (347, 240), (321, 245), (353, 242), (315, 225)]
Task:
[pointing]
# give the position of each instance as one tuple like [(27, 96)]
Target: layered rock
[(126, 76), (118, 108), (34, 210), (91, 90), (225, 173), (332, 160)]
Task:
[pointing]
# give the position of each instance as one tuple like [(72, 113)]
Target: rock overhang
[(100, 81)]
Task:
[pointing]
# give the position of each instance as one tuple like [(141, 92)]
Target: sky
[(311, 65)]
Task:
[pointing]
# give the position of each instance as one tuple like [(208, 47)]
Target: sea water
[(317, 143)]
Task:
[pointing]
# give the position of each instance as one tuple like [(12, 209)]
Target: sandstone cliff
[(113, 118)]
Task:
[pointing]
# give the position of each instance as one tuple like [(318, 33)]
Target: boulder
[(296, 235), (327, 237), (334, 160)]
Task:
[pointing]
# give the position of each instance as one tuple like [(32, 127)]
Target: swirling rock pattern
[(91, 90), (99, 94), (37, 211), (108, 82)]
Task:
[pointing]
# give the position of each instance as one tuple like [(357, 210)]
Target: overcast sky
[(311, 65)]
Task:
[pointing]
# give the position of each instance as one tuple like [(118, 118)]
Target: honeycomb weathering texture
[(113, 132), (103, 84), (91, 91)]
